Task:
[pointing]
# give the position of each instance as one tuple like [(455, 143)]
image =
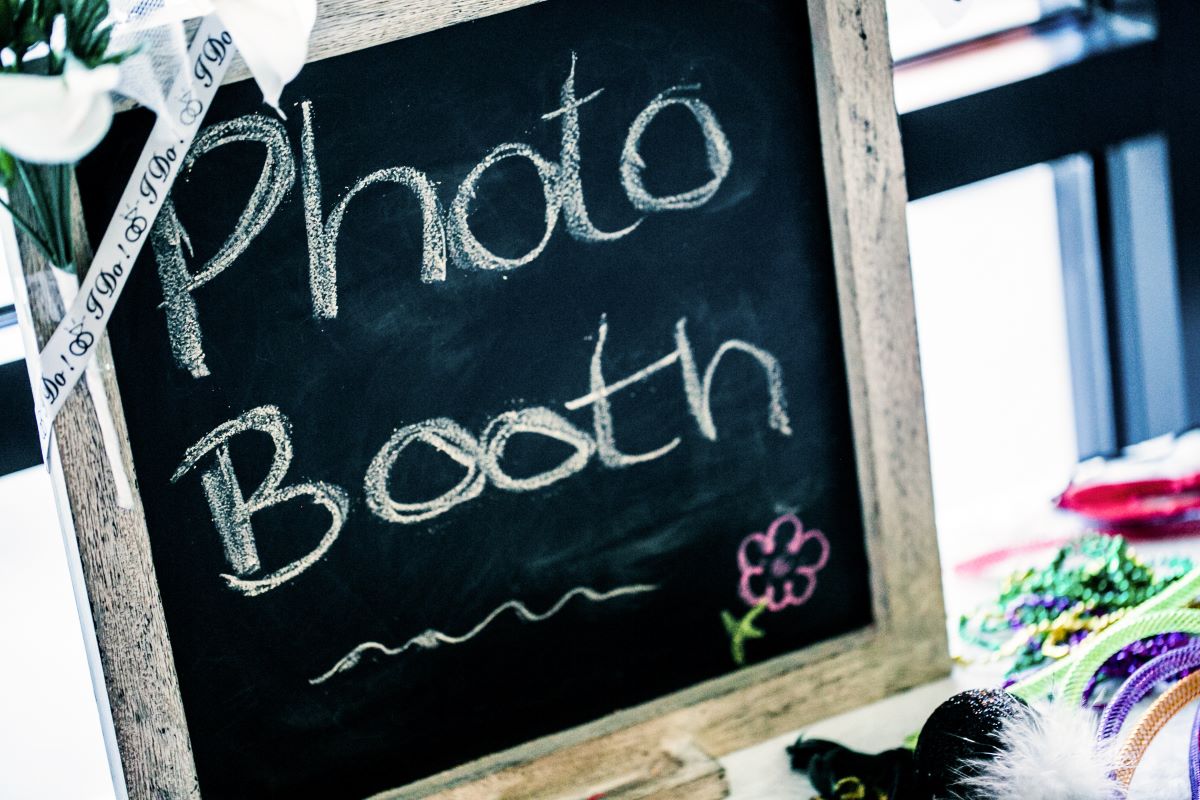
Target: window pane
[(6, 295), (10, 337), (991, 319), (919, 26)]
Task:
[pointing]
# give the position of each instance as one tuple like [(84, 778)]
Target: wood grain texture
[(681, 772), (114, 552), (344, 26), (905, 646), (864, 171)]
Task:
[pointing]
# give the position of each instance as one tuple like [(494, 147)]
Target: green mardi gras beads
[(1156, 615), (1042, 613), (1151, 618)]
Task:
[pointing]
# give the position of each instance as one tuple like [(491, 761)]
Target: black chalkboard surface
[(549, 420)]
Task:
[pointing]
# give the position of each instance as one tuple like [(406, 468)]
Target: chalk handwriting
[(469, 252), (481, 457), (542, 422), (720, 157), (231, 512), (433, 638), (446, 237), (697, 391), (445, 436), (699, 395), (322, 237), (579, 222), (445, 232), (602, 420), (169, 238)]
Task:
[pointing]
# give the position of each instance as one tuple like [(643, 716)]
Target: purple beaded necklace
[(1158, 669), (1132, 657), (1165, 667)]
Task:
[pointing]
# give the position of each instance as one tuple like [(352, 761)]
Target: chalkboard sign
[(518, 380)]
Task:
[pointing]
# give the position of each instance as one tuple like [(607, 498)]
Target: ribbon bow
[(60, 118)]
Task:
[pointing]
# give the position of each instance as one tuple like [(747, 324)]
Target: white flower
[(56, 119), (272, 37)]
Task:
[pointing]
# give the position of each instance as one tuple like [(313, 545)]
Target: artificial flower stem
[(62, 214), (27, 229), (64, 219), (35, 200), (44, 205), (37, 179)]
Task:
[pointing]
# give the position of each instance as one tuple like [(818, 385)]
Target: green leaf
[(8, 166), (32, 23), (88, 36), (8, 22)]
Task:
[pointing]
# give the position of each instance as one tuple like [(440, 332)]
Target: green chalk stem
[(740, 630)]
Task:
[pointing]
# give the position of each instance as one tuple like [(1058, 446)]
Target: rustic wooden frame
[(905, 646)]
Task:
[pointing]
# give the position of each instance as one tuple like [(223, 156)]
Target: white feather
[(1051, 755)]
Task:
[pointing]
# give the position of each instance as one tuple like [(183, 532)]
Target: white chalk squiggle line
[(432, 638)]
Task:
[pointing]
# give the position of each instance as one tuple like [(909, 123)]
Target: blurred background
[(1054, 183)]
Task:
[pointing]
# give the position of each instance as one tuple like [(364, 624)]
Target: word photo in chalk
[(446, 233)]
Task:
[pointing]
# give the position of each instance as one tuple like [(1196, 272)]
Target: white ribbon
[(178, 86), (272, 36), (58, 119), (71, 347)]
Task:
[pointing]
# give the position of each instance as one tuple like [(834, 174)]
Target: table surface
[(762, 772)]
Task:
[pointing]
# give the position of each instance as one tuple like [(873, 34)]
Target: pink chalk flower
[(775, 563)]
